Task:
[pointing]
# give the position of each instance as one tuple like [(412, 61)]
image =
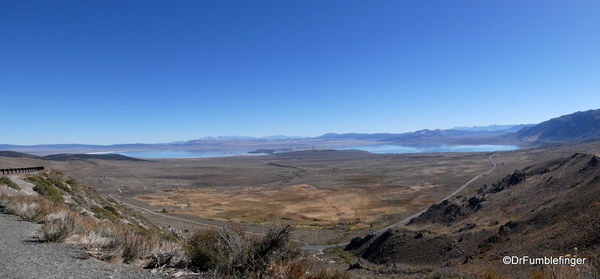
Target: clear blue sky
[(105, 72)]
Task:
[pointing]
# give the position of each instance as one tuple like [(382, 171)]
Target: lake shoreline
[(371, 148)]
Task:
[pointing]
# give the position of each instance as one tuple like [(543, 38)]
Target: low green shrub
[(107, 212), (57, 179), (46, 188), (6, 181)]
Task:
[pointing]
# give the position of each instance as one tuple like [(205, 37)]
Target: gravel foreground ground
[(22, 256)]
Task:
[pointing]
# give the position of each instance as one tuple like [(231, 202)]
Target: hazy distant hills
[(14, 154), (444, 136), (75, 145), (579, 125), (359, 136), (426, 136), (276, 137), (489, 128), (68, 157)]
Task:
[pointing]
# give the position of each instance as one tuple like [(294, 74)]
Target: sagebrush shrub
[(234, 252), (63, 224)]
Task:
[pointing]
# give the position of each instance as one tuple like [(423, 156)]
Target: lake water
[(174, 153), (378, 148)]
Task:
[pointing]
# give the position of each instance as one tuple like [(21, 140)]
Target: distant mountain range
[(75, 145), (68, 157), (276, 137), (579, 125), (458, 135), (489, 128)]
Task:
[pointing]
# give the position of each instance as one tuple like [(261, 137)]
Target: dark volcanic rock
[(549, 209), (444, 212)]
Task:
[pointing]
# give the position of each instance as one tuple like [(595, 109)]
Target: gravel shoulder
[(22, 256)]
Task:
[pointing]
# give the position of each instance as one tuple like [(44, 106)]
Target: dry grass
[(170, 253), (305, 204), (324, 274), (490, 273), (103, 239), (30, 208), (585, 271), (106, 240), (441, 273), (63, 224)]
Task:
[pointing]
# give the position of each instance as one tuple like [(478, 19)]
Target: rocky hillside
[(579, 125), (64, 190), (549, 209)]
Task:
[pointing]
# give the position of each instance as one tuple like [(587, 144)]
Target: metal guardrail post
[(21, 170)]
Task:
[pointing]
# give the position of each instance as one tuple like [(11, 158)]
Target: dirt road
[(321, 247)]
